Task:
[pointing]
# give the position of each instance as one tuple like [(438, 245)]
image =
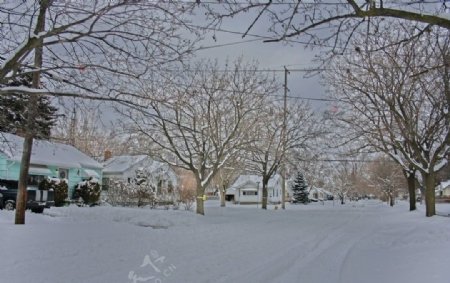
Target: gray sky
[(273, 56), (269, 55)]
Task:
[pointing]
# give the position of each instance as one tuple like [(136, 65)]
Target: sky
[(229, 44), (271, 56)]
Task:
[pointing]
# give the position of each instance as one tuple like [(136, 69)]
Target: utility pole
[(21, 200), (73, 125), (284, 141)]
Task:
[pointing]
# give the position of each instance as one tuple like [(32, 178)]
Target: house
[(48, 159), (443, 189), (136, 168), (248, 189), (319, 194)]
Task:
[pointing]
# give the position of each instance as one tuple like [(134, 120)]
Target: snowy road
[(360, 242)]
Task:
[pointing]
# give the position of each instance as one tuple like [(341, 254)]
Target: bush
[(187, 197), (131, 194), (59, 187), (88, 191)]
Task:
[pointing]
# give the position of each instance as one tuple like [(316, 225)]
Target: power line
[(342, 160), (305, 3), (261, 94)]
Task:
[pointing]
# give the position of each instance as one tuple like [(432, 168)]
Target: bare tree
[(386, 177), (341, 181), (203, 120), (88, 50), (324, 23), (226, 176), (84, 129), (390, 102), (91, 47), (270, 145)]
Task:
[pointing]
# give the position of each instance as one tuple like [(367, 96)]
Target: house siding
[(9, 170), (6, 172)]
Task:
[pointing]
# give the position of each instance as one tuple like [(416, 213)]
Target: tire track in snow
[(283, 265)]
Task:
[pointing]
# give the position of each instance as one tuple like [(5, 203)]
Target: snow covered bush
[(122, 193), (118, 193), (60, 189), (88, 191)]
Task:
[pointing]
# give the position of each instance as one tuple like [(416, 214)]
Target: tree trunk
[(430, 206), (264, 195), (21, 201), (283, 190), (222, 197), (200, 202), (391, 199), (412, 191)]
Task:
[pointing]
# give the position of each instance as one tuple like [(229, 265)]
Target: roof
[(120, 164), (321, 190), (46, 153), (443, 185), (123, 163)]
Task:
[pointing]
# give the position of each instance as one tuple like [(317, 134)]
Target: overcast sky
[(269, 55), (273, 56)]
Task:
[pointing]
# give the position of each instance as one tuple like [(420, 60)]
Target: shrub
[(187, 197), (131, 194), (59, 187), (89, 191)]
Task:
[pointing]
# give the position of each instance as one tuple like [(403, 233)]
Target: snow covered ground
[(365, 241)]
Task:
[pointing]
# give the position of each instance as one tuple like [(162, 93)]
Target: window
[(34, 180), (249, 193), (63, 173), (105, 184)]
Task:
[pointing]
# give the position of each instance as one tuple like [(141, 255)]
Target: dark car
[(37, 200)]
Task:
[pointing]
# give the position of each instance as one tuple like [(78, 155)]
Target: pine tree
[(300, 190), (13, 109)]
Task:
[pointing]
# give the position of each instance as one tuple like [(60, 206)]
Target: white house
[(319, 194), (443, 189), (248, 189), (134, 168)]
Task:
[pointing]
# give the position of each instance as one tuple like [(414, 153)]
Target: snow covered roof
[(46, 153), (253, 179), (443, 185), (123, 163), (314, 189), (120, 164)]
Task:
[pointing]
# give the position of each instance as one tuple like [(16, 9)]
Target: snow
[(46, 153), (358, 242), (120, 164), (445, 184), (130, 164)]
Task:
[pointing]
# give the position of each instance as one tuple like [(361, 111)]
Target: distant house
[(136, 168), (443, 189), (48, 159), (248, 189), (319, 194)]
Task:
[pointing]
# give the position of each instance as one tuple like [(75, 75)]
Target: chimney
[(107, 155)]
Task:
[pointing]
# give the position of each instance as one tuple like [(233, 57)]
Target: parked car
[(37, 200)]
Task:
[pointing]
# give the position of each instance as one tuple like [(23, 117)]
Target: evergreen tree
[(13, 109), (300, 190)]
